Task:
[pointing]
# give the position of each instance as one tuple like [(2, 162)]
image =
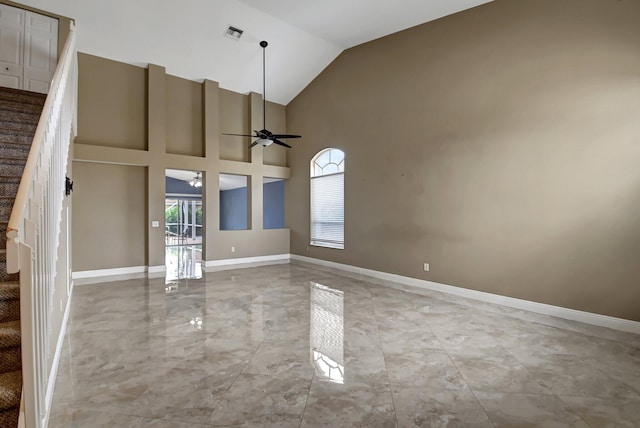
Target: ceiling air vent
[(233, 33)]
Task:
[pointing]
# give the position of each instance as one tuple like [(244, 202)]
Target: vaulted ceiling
[(187, 36)]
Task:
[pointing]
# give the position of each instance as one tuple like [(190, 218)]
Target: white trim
[(541, 308), (108, 272), (277, 258), (53, 373), (157, 269)]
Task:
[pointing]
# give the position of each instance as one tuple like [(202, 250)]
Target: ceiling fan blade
[(286, 136), (275, 140), (240, 135), (253, 144)]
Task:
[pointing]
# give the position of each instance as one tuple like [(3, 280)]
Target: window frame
[(313, 165)]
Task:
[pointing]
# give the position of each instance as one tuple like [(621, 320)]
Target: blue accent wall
[(273, 205), (175, 186), (233, 209)]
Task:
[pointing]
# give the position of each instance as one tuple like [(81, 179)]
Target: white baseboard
[(100, 275), (156, 271), (244, 262), (540, 308), (108, 272), (55, 364)]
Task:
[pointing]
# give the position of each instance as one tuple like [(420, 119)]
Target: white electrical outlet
[(426, 267), (233, 249)]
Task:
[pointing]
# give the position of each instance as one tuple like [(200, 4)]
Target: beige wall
[(501, 145), (112, 106), (184, 117), (276, 123), (234, 119), (135, 123), (108, 216)]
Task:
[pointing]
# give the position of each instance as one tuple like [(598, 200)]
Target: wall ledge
[(526, 305)]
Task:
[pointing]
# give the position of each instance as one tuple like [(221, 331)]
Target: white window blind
[(327, 210)]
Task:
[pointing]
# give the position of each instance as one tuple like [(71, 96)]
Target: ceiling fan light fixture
[(264, 142), (197, 181)]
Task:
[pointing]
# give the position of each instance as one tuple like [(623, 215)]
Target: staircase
[(19, 115)]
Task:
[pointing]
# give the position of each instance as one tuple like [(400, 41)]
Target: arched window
[(327, 199)]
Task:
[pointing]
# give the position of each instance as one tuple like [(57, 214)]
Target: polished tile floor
[(298, 346)]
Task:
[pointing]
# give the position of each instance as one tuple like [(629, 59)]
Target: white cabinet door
[(41, 52), (28, 49), (12, 22)]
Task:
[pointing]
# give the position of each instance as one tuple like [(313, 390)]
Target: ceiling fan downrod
[(264, 45), (265, 137)]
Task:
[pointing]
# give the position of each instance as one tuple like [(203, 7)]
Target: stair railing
[(33, 232)]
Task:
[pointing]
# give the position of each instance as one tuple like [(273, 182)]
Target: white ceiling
[(347, 23), (187, 37)]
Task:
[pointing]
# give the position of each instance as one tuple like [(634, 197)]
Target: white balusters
[(33, 232)]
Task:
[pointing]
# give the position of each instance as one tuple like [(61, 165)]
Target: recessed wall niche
[(109, 205), (234, 119), (112, 103), (184, 117), (234, 202), (272, 203)]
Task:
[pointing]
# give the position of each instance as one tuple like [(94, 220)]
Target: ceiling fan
[(265, 137)]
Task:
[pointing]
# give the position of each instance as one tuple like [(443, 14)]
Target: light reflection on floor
[(183, 262), (327, 332)]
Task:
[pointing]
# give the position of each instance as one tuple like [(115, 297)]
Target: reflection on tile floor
[(295, 345), (182, 262)]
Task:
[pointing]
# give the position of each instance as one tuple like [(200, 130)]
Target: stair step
[(6, 277), (9, 310), (15, 136), (9, 185), (10, 359), (14, 105), (9, 291), (12, 125), (9, 335), (12, 167), (22, 95), (9, 117), (6, 204), (9, 418), (3, 234), (10, 389), (14, 150)]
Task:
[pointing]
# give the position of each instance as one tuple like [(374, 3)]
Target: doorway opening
[(184, 224)]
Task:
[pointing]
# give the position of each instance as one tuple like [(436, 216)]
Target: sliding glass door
[(183, 221)]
